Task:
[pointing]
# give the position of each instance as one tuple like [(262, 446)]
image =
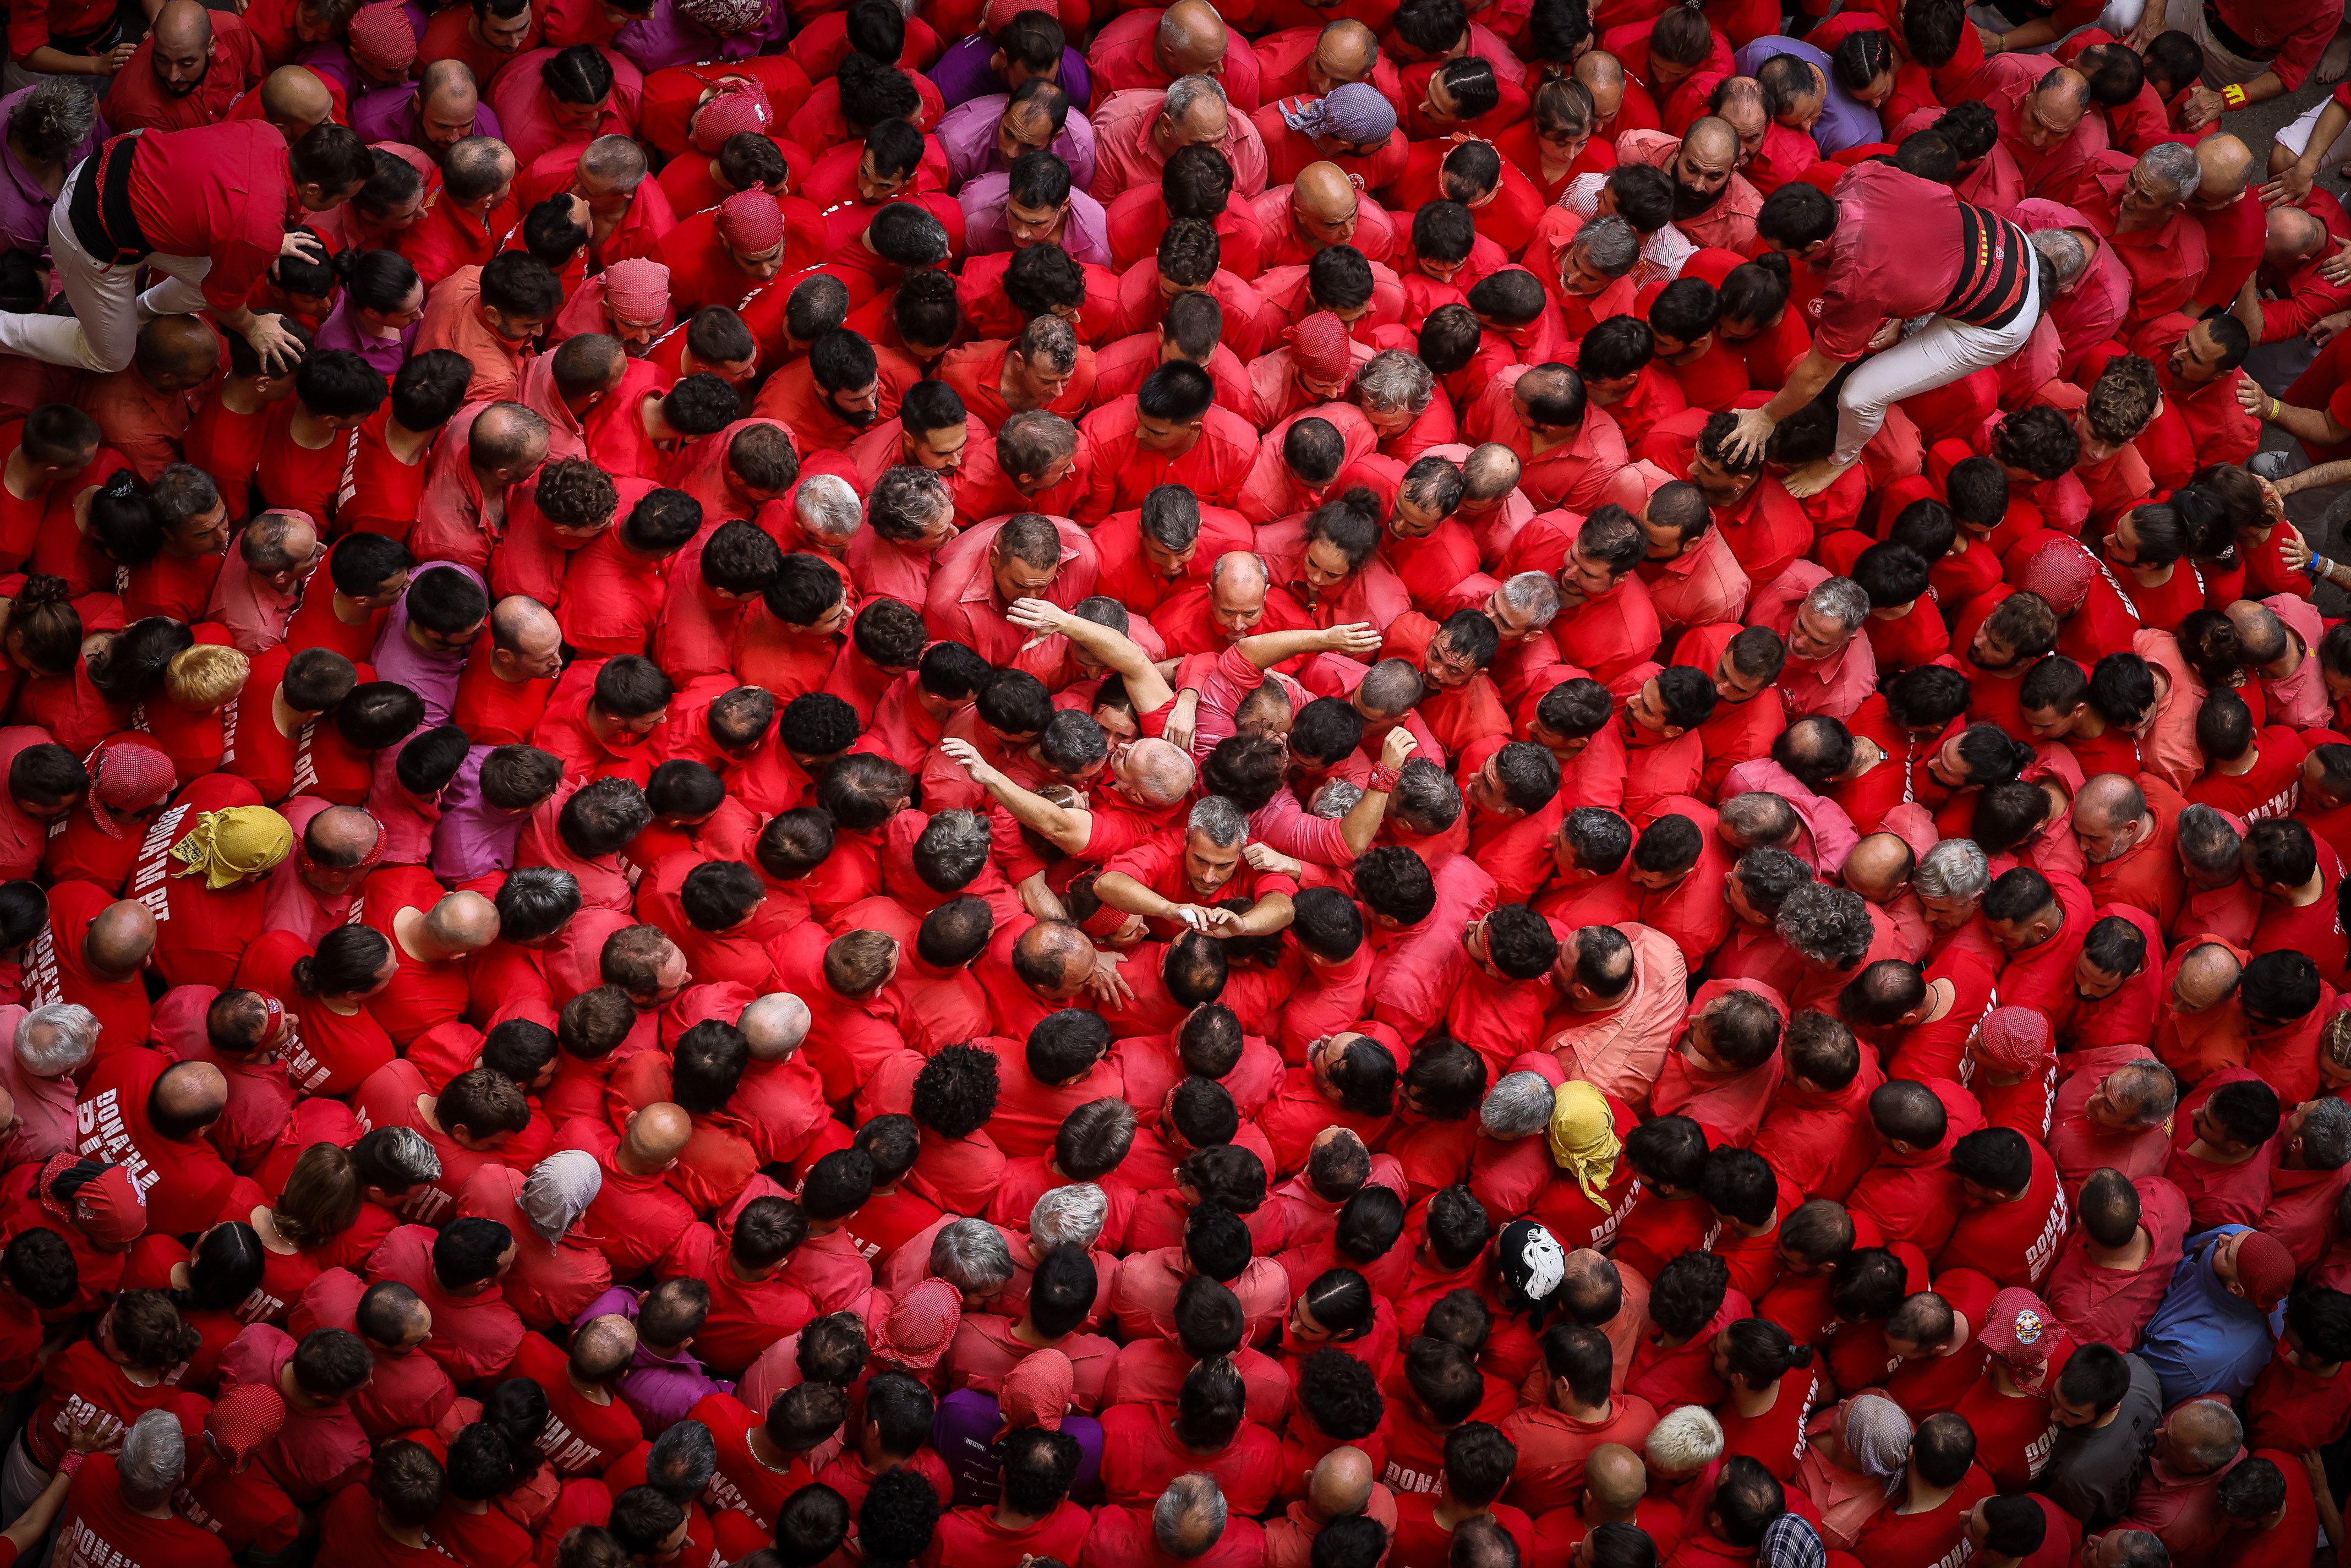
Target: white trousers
[(1937, 356), (2295, 138), (103, 331)]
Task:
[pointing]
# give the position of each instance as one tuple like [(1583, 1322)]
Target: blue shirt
[(2202, 1339), (1845, 121)]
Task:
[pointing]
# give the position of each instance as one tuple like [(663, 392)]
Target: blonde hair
[(1685, 1437), (2334, 1039), (202, 678)]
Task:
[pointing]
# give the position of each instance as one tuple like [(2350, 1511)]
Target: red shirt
[(473, 1336), (98, 1527), (2014, 1243), (200, 932), (582, 1437), (1141, 1455), (1894, 1539), (184, 1182), (421, 996), (349, 1521), (221, 191)]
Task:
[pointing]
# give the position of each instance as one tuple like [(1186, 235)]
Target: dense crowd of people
[(1350, 784)]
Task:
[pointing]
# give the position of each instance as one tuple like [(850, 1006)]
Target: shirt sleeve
[(2299, 54)]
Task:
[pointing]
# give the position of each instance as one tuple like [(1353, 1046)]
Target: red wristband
[(1384, 778)]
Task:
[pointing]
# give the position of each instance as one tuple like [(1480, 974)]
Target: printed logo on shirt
[(566, 1451), (42, 987), (304, 1069), (259, 1307), (228, 715), (1399, 1477), (306, 767), (149, 879), (2043, 1251), (104, 1137)]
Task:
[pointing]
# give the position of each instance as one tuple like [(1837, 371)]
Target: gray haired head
[(54, 1041), (970, 1254), (1224, 823), (1188, 1519), (1518, 1107), (1075, 1214), (1843, 598), (1954, 871), (1610, 245), (154, 1454)]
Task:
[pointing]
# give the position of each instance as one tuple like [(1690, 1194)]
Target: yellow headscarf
[(232, 845), (1584, 1142)]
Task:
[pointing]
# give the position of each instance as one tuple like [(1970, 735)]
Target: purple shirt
[(967, 136), (341, 330), (472, 837), (389, 114), (963, 1432), (662, 1389), (1085, 236), (433, 676), (24, 206), (669, 39), (962, 73)]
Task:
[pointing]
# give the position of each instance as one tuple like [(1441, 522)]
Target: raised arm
[(1267, 648), (1066, 828), (1144, 683)]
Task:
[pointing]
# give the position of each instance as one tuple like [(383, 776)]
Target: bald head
[(175, 352), (1711, 138), (462, 923), (2202, 1435), (775, 1025), (1054, 956), (1191, 38), (2227, 165), (2206, 977), (183, 25), (521, 625), (2107, 801), (1341, 1484), (341, 836), (294, 101), (187, 1098), (448, 82), (1347, 51), (603, 1347), (1616, 1476), (1160, 772), (2263, 634), (1599, 69), (1879, 867), (657, 1135), (1239, 572), (119, 939), (1490, 473), (2294, 236), (1743, 108), (1323, 192)]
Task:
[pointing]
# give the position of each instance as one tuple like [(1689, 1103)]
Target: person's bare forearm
[(2333, 121), (1121, 891), (1057, 824), (1363, 821), (2247, 308), (29, 1526), (2040, 30), (1267, 648), (2311, 425), (2310, 478), (1812, 372), (1270, 914)]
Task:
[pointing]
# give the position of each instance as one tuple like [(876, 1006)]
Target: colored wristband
[(1384, 778), (71, 1461), (2233, 95)]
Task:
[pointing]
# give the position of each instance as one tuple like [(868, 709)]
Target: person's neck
[(19, 478), (594, 1393), (2242, 765), (1010, 1517), (2212, 1155), (408, 445), (1924, 1499), (1754, 1402), (1450, 1513), (284, 715), (311, 432), (409, 1535), (2308, 892)]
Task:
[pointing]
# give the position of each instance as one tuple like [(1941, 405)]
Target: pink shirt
[(1124, 156), (1622, 1050)]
